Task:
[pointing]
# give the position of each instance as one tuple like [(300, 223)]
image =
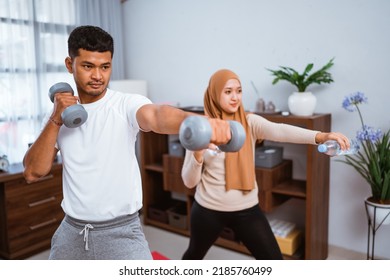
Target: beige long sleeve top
[(208, 176)]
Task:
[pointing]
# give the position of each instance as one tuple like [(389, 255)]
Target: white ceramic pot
[(381, 212), (302, 103)]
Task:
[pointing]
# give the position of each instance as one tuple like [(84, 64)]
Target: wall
[(177, 44)]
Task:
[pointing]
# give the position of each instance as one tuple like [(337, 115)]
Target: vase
[(302, 103), (260, 105), (377, 212)]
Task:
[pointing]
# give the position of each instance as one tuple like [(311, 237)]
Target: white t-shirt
[(101, 176)]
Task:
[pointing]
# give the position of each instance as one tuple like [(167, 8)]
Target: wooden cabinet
[(161, 179), (29, 213)]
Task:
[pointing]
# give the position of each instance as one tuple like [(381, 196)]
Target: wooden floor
[(173, 246)]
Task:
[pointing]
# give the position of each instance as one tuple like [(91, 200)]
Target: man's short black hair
[(90, 38)]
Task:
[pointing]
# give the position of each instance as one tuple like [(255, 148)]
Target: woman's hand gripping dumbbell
[(74, 115), (196, 132)]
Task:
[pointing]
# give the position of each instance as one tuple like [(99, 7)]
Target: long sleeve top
[(208, 176)]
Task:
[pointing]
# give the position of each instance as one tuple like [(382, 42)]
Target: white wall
[(177, 44)]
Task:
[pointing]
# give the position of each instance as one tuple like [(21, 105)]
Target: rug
[(158, 256)]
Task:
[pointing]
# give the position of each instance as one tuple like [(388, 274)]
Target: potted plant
[(372, 161), (302, 102)]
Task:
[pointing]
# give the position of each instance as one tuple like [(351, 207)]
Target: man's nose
[(96, 74)]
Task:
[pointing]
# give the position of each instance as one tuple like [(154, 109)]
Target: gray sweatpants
[(121, 238)]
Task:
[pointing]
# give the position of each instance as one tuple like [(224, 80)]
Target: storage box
[(176, 149), (268, 156), (177, 216), (158, 212), (289, 244), (281, 228)]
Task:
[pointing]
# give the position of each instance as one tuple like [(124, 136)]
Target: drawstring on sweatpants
[(86, 229)]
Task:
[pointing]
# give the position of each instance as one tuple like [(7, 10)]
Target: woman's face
[(231, 96)]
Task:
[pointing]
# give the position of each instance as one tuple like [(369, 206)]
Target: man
[(101, 179)]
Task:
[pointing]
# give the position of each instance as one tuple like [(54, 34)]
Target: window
[(33, 46)]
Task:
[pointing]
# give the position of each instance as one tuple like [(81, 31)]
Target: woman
[(226, 188)]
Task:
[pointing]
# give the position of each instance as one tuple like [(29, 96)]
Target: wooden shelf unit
[(29, 213), (314, 190)]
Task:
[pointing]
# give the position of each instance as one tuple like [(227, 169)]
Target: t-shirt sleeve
[(136, 101)]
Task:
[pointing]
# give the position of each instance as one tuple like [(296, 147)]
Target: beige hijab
[(239, 166)]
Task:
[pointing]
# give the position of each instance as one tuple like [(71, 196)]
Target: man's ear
[(68, 64)]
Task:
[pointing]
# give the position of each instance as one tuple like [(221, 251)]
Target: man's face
[(91, 71)]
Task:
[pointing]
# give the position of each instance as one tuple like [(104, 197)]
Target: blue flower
[(350, 102), (368, 134), (373, 158)]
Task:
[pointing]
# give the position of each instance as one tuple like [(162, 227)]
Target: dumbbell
[(195, 134), (73, 116)]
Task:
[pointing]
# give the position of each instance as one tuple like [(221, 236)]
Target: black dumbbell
[(74, 115), (195, 134)]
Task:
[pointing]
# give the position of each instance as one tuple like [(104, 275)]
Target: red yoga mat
[(157, 256)]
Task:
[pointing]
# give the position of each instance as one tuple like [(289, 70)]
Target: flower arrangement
[(372, 161), (302, 81)]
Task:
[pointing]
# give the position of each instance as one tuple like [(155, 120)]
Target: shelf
[(161, 180), (154, 167), (295, 120), (293, 188)]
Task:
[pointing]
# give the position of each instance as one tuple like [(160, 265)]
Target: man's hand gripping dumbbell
[(66, 108)]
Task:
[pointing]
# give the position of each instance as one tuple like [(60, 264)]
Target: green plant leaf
[(302, 81), (372, 162)]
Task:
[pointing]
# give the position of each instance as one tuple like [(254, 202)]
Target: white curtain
[(107, 15), (33, 46)]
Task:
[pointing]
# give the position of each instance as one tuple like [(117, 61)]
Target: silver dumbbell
[(74, 115), (195, 134)]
